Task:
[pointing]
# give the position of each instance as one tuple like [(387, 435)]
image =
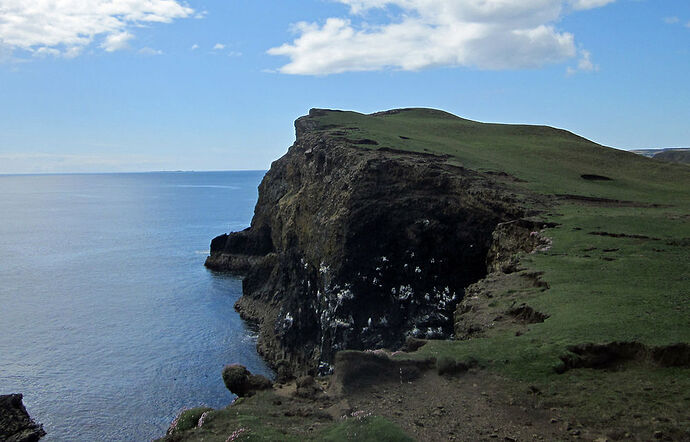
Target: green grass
[(638, 290), (269, 417), (369, 429), (602, 288), (551, 160)]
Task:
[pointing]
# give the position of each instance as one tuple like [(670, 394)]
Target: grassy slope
[(642, 294), (674, 156), (269, 417)]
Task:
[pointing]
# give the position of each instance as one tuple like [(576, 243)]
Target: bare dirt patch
[(474, 406), (616, 355), (606, 202), (623, 235), (527, 315)]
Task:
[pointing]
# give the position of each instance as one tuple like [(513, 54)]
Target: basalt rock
[(242, 382), (354, 247), (15, 423)]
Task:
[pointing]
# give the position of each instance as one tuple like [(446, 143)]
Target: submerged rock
[(15, 423)]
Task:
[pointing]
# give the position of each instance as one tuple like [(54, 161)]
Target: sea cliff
[(534, 282), (360, 248)]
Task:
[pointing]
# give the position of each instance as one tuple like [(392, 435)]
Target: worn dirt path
[(469, 407)]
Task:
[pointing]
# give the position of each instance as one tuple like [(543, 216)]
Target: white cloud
[(218, 47), (150, 51), (44, 52), (116, 42), (194, 47), (671, 20), (589, 4), (68, 26), (487, 34), (584, 64)]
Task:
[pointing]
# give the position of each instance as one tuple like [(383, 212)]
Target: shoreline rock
[(242, 382), (15, 423)]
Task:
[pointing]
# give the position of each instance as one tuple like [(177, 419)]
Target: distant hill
[(672, 155)]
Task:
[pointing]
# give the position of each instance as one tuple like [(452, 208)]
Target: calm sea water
[(109, 322)]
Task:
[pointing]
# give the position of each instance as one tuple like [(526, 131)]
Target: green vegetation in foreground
[(270, 417), (602, 288), (367, 429)]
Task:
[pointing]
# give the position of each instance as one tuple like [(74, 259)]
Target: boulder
[(242, 382)]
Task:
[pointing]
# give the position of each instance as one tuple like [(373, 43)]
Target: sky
[(145, 85)]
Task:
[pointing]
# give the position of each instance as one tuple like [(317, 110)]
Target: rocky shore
[(15, 423)]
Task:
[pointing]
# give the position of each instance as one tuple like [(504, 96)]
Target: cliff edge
[(357, 246), (557, 266)]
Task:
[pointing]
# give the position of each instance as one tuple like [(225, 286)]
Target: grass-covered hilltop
[(444, 279)]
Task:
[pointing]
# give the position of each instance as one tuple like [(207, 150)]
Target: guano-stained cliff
[(358, 248)]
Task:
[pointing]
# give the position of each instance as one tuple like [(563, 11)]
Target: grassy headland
[(617, 272), (618, 269)]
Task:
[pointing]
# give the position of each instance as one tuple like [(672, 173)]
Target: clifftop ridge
[(531, 257)]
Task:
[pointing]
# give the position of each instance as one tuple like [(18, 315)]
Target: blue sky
[(137, 85)]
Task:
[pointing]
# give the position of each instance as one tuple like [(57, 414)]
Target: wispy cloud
[(671, 20), (67, 27), (150, 51), (584, 64), (194, 47), (116, 42), (487, 34), (218, 47), (589, 4)]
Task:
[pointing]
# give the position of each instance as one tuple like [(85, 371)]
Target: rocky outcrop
[(242, 382), (513, 238), (15, 423), (358, 248)]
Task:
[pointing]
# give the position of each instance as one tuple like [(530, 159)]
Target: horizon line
[(130, 172)]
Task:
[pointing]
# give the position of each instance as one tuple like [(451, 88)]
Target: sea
[(110, 324)]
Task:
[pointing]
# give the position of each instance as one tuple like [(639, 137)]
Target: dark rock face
[(15, 423), (351, 248), (242, 382), (510, 239), (355, 371)]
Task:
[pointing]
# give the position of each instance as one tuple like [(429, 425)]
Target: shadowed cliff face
[(357, 249), (15, 423)]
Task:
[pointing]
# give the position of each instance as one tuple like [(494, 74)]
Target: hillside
[(568, 259), (671, 155), (674, 156)]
